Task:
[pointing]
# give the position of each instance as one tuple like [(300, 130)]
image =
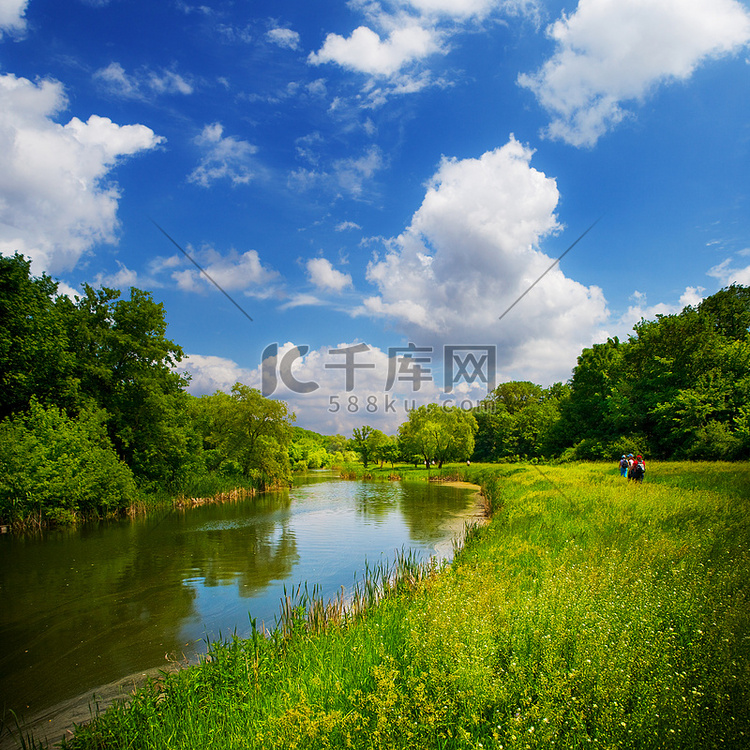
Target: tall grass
[(591, 612)]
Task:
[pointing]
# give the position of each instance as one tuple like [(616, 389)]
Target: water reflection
[(84, 608)]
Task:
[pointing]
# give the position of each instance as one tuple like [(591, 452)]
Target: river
[(84, 608)]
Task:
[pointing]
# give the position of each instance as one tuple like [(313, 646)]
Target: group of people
[(633, 467)]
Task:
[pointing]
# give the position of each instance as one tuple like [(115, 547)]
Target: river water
[(83, 608)]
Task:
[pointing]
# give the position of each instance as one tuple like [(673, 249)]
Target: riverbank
[(590, 612)]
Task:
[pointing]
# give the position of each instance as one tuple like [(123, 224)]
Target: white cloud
[(122, 279), (365, 52), (471, 251), (233, 272), (346, 225), (466, 9), (210, 374), (728, 275), (12, 19), (302, 300), (610, 53), (143, 83), (693, 296), (351, 174), (326, 277), (56, 202), (225, 157), (68, 291), (286, 38), (641, 310), (394, 45)]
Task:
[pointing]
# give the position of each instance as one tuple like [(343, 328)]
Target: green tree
[(34, 353), (365, 442), (387, 450), (125, 365), (516, 419), (247, 435), (437, 433), (55, 468)]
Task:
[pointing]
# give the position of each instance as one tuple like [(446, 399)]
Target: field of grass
[(590, 613)]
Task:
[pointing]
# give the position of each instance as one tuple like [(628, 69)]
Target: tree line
[(94, 415), (678, 388)]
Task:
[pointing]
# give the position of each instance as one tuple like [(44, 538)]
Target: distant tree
[(365, 442), (387, 450), (440, 434), (516, 419)]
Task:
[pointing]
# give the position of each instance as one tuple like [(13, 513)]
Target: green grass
[(591, 612)]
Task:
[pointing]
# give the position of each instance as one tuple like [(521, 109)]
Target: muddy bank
[(57, 722)]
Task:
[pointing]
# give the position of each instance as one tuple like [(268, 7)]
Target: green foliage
[(516, 419), (368, 443), (125, 365), (306, 453), (681, 382), (35, 361), (388, 450), (246, 434), (55, 469), (437, 433)]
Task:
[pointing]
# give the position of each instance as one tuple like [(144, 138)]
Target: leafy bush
[(593, 449), (54, 468)]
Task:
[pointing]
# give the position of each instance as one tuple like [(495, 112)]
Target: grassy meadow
[(590, 613)]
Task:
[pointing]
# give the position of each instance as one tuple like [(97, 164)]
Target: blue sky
[(380, 173)]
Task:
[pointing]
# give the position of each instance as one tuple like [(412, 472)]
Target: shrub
[(55, 468)]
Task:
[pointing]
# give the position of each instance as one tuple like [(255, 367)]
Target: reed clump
[(590, 612), (235, 495)]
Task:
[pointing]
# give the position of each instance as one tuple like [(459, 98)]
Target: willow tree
[(246, 434), (439, 434)]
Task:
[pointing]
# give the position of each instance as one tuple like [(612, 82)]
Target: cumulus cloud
[(123, 278), (224, 158), (56, 202), (286, 38), (143, 83), (610, 53), (365, 52), (641, 310), (233, 272), (470, 251), (12, 19), (209, 374), (324, 276), (399, 37)]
